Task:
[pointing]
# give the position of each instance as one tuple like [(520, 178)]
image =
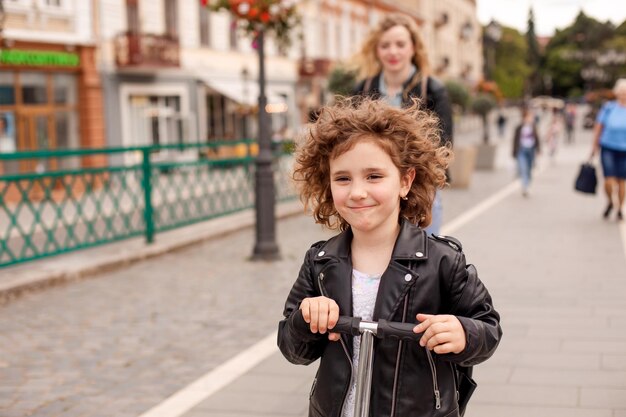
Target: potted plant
[(464, 160), (482, 105)]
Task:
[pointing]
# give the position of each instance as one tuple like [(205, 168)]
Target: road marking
[(480, 208), (196, 392)]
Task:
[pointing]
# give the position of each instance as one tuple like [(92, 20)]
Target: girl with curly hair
[(370, 170)]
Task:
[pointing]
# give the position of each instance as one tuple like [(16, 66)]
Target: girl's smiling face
[(367, 186), (395, 49)]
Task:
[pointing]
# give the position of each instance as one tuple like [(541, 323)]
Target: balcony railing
[(133, 50)]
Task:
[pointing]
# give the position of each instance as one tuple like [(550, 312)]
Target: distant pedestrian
[(501, 122), (570, 122), (610, 140), (370, 170), (526, 145), (393, 64), (555, 130)]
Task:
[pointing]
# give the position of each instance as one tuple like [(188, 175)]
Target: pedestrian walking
[(526, 145), (393, 64), (570, 122), (370, 170), (554, 132), (610, 140), (501, 122)]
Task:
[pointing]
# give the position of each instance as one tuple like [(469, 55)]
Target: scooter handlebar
[(395, 330), (384, 329)]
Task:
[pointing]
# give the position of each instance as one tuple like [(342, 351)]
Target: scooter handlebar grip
[(394, 330), (347, 325)]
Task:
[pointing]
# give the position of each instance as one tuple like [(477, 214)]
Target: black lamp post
[(265, 247), (493, 33)]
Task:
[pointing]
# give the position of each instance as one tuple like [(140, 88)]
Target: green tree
[(458, 93), (533, 56), (511, 70), (579, 56), (341, 81)]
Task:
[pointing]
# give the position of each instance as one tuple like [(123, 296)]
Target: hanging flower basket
[(275, 16)]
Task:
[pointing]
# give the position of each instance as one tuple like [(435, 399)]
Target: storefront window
[(64, 89), (66, 128), (34, 89), (7, 89)]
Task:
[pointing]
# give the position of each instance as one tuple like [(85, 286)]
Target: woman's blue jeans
[(437, 215), (525, 161)]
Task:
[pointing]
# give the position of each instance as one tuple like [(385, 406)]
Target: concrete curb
[(36, 275)]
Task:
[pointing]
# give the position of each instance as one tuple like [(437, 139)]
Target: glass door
[(37, 133)]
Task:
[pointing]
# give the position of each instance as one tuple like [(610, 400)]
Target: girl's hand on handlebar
[(321, 313), (443, 333)]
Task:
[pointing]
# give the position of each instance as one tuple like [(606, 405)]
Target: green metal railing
[(144, 193)]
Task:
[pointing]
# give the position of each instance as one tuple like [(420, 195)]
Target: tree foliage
[(511, 68), (458, 93), (533, 55), (587, 55), (341, 81)]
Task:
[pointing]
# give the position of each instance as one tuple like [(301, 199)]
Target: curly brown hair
[(410, 136)]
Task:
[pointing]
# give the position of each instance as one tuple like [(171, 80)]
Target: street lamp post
[(265, 247), (493, 33)]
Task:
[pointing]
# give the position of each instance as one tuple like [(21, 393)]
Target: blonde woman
[(393, 65)]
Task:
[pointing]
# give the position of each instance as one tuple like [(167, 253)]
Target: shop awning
[(243, 93)]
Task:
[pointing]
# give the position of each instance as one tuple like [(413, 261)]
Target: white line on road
[(480, 208), (196, 392)]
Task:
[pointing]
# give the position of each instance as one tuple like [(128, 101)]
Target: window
[(34, 89), (7, 89), (171, 19), (205, 25), (132, 16), (156, 120), (53, 3), (64, 89)]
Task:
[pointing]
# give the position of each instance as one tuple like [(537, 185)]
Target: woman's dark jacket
[(517, 136), (437, 100), (425, 275)]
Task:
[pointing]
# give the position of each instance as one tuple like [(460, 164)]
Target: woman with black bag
[(610, 140)]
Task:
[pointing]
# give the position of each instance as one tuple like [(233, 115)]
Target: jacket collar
[(410, 244), (333, 259)]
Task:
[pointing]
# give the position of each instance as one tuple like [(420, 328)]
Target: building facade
[(171, 71), (50, 89)]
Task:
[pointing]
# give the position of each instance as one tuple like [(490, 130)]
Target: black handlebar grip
[(402, 331), (347, 325)]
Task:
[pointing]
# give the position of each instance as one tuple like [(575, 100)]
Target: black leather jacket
[(425, 275), (437, 100)]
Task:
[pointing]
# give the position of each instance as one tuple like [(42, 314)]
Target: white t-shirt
[(364, 291)]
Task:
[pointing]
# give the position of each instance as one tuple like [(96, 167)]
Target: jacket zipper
[(434, 375), (320, 277), (396, 375)]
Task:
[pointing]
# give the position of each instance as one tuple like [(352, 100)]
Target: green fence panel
[(45, 214)]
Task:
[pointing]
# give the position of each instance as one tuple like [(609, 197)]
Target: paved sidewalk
[(127, 340), (556, 272)]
